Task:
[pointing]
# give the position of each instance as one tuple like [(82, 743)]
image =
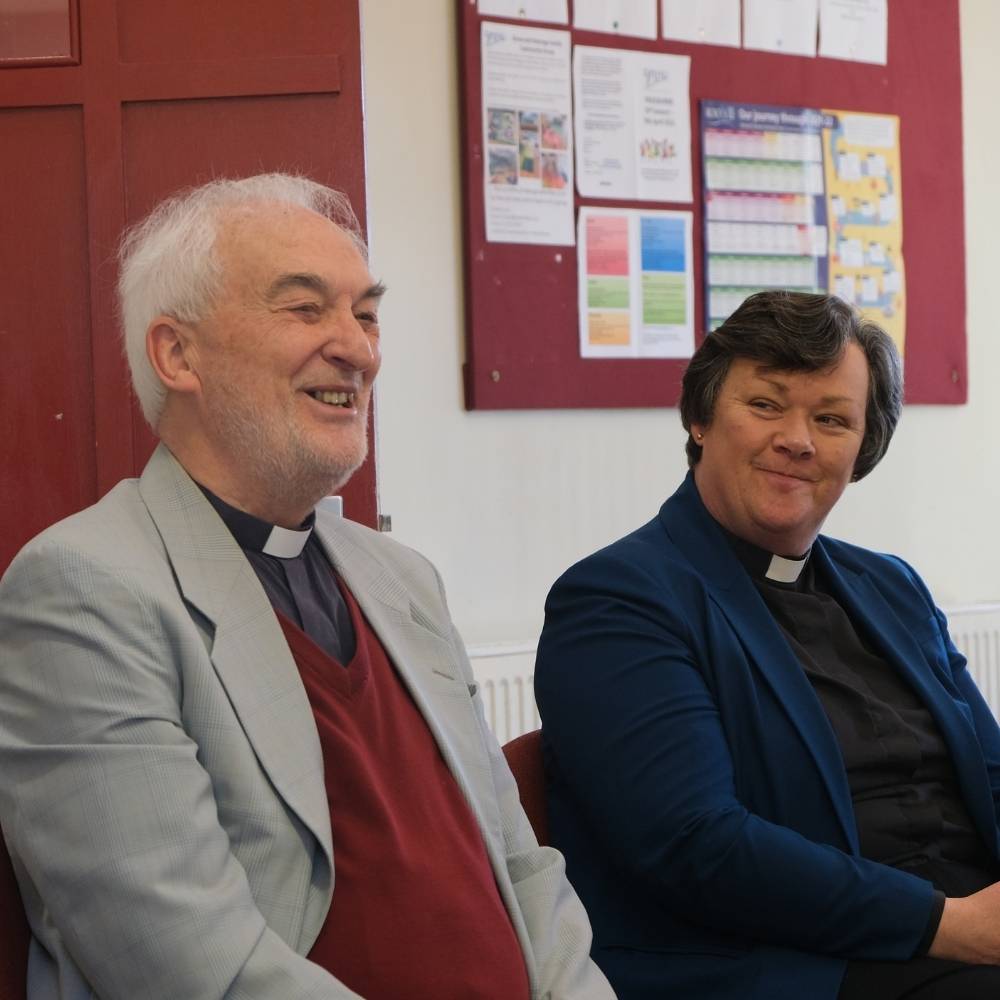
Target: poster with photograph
[(527, 135)]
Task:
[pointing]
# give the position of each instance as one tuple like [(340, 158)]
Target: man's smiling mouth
[(345, 399)]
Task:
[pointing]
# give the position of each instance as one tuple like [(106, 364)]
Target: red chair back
[(14, 935), (524, 757)]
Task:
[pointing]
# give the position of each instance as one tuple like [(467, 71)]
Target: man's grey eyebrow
[(314, 283), (306, 280)]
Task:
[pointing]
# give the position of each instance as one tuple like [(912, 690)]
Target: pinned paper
[(618, 17)]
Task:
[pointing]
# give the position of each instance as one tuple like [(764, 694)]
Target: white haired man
[(241, 750)]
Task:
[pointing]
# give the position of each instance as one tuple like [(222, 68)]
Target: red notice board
[(521, 301)]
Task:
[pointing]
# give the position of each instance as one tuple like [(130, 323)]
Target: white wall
[(503, 502)]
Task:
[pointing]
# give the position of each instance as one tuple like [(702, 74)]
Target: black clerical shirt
[(908, 806), (296, 576)]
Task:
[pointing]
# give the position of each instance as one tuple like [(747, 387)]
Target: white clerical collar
[(783, 570), (286, 543)]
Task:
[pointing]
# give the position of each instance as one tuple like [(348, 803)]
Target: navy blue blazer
[(696, 787)]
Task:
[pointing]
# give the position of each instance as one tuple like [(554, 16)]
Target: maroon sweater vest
[(416, 912)]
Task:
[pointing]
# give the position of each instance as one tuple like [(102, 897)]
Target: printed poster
[(527, 135), (633, 129), (802, 198), (636, 284)]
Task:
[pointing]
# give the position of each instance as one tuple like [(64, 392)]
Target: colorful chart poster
[(527, 134), (805, 199), (604, 250), (636, 284)]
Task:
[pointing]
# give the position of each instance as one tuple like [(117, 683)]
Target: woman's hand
[(970, 928)]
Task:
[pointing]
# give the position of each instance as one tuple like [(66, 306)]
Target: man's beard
[(285, 464)]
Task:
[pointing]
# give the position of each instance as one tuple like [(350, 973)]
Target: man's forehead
[(289, 224), (266, 241)]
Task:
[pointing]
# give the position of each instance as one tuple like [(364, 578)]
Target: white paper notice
[(787, 26), (620, 17), (854, 29), (553, 11), (633, 124), (711, 22), (636, 287), (527, 134)]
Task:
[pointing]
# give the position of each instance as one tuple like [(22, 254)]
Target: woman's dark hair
[(797, 332)]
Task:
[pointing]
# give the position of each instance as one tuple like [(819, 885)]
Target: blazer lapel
[(420, 647), (248, 649), (894, 637), (873, 616), (696, 534)]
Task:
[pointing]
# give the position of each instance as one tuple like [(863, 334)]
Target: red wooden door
[(106, 107)]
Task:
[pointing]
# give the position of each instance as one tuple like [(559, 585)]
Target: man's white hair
[(169, 265)]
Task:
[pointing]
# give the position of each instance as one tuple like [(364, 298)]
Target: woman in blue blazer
[(769, 770)]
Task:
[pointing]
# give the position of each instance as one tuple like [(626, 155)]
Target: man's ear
[(170, 349)]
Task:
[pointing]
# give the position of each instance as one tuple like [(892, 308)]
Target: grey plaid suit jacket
[(161, 782)]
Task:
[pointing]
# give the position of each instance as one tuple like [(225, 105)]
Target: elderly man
[(241, 749)]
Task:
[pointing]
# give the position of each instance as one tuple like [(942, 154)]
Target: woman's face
[(781, 449)]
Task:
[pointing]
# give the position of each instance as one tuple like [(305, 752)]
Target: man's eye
[(307, 309), (367, 319)]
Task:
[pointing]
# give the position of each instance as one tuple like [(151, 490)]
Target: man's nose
[(348, 344)]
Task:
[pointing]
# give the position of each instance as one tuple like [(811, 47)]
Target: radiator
[(975, 629), (505, 671), (506, 676)]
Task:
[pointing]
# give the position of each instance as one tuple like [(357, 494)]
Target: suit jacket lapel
[(420, 647), (248, 649), (696, 534), (873, 616), (894, 638)]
